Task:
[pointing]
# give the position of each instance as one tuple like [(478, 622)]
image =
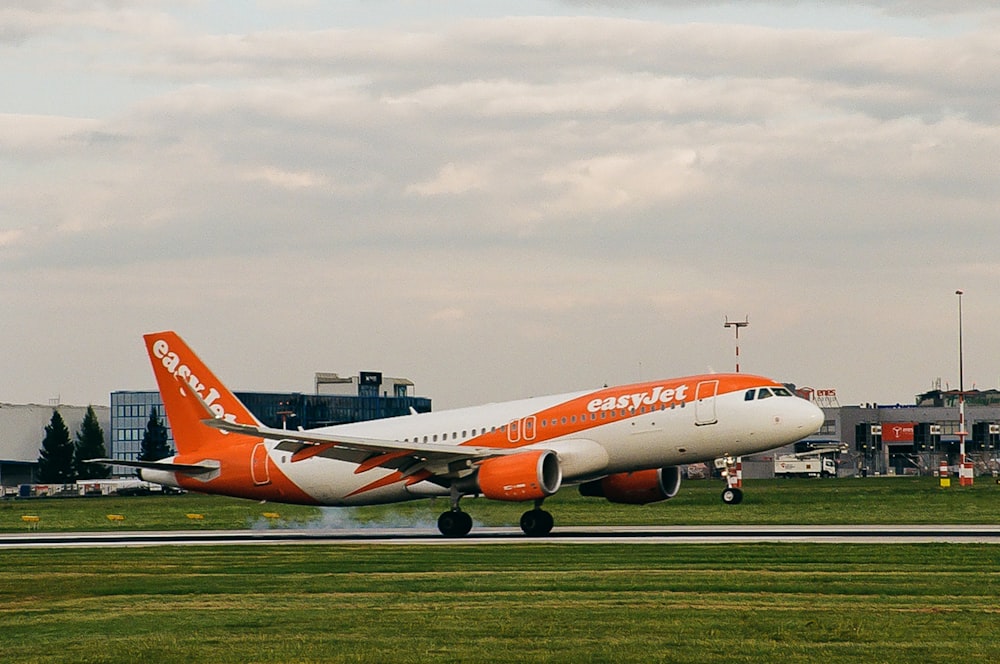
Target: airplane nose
[(811, 419)]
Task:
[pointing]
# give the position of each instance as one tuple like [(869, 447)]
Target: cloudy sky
[(499, 199)]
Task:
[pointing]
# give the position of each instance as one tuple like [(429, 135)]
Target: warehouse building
[(22, 429)]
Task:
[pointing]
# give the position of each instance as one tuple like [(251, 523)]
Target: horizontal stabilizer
[(184, 468)]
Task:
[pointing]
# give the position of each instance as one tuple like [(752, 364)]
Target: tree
[(55, 459), (154, 440), (90, 445)]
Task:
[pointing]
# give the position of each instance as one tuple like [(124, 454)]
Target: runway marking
[(882, 534)]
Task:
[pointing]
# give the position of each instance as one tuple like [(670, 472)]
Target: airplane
[(624, 444)]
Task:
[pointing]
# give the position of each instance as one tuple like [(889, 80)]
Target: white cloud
[(286, 179), (450, 179), (579, 196)]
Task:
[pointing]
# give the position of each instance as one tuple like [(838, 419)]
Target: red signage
[(897, 432)]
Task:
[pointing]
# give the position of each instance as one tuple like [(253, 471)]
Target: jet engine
[(525, 476), (637, 488)]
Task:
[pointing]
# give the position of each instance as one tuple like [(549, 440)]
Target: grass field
[(536, 602), (842, 501)]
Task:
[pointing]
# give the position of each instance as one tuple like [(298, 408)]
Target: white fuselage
[(590, 443)]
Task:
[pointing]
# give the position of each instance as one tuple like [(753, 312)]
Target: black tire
[(455, 523), (732, 496), (536, 523)]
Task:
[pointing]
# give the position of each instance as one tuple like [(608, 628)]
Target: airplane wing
[(367, 453)]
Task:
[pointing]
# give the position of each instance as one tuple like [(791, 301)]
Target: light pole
[(733, 471), (738, 324), (965, 472)]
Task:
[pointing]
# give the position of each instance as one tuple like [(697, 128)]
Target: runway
[(883, 534)]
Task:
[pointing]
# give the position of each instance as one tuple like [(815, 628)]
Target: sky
[(499, 199)]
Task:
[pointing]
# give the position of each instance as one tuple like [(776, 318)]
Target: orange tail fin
[(178, 370)]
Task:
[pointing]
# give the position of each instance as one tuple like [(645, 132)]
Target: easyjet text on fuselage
[(658, 395)]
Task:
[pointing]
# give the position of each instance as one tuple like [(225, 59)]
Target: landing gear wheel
[(536, 523), (732, 496), (455, 523)]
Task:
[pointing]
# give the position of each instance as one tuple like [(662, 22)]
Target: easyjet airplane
[(624, 444)]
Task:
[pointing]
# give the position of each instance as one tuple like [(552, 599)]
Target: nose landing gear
[(732, 496), (732, 472)]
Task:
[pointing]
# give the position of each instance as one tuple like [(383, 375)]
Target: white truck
[(804, 465)]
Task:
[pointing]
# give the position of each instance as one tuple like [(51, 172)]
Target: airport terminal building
[(900, 439)]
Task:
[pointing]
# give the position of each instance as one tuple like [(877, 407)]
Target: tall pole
[(734, 466), (965, 472), (737, 324)]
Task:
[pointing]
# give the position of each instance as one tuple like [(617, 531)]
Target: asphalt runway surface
[(569, 535)]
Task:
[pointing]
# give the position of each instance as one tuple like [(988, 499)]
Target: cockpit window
[(749, 395), (782, 391), (764, 393)]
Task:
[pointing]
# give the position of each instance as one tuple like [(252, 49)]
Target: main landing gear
[(537, 522), (456, 523)]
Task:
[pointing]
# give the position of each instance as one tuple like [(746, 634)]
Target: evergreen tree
[(154, 440), (90, 445), (55, 459)]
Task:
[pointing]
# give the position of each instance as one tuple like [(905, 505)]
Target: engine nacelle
[(638, 488), (527, 476)]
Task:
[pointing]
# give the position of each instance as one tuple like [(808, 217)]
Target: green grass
[(842, 501), (156, 512), (543, 601), (534, 602)]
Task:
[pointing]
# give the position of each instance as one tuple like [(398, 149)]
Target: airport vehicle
[(623, 443), (811, 458), (795, 465)]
